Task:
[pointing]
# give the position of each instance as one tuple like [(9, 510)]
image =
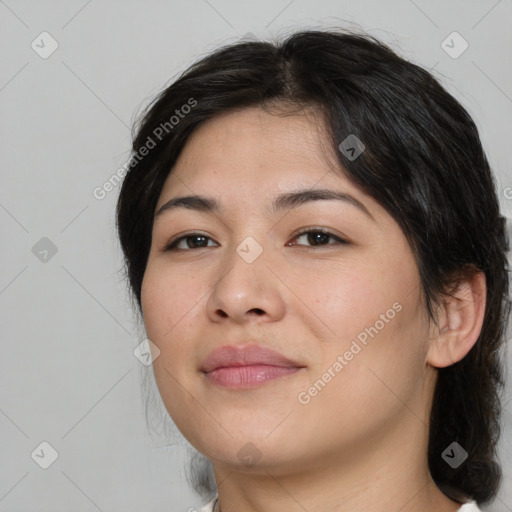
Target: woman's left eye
[(316, 237)]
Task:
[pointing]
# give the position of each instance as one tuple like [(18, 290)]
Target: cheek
[(391, 364), (169, 301), (171, 306), (375, 314), (381, 369), (344, 300)]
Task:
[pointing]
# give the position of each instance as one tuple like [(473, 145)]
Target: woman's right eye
[(187, 242)]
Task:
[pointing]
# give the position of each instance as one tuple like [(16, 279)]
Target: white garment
[(209, 506), (467, 507)]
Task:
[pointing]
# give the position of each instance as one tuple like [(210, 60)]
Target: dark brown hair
[(423, 162)]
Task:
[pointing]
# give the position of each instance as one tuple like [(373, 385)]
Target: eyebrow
[(284, 201)]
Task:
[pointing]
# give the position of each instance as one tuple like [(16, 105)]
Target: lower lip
[(245, 377)]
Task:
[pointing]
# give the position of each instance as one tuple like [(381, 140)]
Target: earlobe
[(460, 321)]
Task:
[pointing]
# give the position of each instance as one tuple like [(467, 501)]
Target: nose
[(246, 291)]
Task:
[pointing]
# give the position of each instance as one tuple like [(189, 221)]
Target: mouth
[(247, 366), (249, 376)]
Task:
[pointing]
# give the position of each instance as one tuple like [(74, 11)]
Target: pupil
[(196, 238), (317, 237)]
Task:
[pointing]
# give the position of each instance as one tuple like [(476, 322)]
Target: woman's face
[(346, 307)]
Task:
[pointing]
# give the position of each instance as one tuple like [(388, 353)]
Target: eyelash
[(171, 246)]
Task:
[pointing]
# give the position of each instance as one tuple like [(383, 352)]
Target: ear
[(460, 321)]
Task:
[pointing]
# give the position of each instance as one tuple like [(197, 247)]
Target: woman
[(312, 236)]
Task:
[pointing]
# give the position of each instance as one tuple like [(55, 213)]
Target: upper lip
[(231, 355)]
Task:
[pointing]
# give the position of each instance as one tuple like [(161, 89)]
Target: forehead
[(260, 150)]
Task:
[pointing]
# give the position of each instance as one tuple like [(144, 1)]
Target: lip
[(247, 366), (246, 377), (246, 355)]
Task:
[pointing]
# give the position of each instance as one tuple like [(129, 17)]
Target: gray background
[(69, 375)]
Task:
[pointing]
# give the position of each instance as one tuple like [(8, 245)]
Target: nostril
[(257, 311)]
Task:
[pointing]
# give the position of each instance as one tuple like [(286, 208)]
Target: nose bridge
[(249, 244), (246, 284), (249, 249), (245, 268)]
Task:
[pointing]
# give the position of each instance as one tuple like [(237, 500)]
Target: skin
[(360, 444)]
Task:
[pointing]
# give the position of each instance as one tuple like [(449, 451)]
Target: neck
[(426, 499), (391, 475)]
